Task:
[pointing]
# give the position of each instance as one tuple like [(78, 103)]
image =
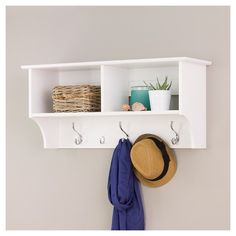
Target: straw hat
[(153, 161)]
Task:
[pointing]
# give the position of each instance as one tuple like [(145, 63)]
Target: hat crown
[(147, 158)]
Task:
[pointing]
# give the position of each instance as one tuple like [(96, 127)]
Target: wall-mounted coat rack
[(184, 126), (79, 139)]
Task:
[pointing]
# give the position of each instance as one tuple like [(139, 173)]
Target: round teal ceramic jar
[(140, 94)]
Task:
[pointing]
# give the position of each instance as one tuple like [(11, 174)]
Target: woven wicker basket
[(76, 98)]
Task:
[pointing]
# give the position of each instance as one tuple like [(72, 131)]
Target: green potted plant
[(159, 95)]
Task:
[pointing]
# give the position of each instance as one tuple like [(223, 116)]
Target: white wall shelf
[(188, 113)]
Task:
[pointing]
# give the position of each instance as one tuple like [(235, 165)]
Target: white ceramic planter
[(159, 99)]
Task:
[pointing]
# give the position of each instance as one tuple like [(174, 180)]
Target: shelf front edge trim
[(118, 113), (116, 62)]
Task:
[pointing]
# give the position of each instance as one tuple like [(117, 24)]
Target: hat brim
[(171, 170)]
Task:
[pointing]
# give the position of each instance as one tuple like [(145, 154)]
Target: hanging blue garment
[(123, 191)]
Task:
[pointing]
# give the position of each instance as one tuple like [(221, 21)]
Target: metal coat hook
[(102, 140), (120, 125), (174, 140), (78, 140)]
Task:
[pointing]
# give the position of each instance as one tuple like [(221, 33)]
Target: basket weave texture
[(76, 98)]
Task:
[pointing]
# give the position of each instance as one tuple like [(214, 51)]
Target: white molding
[(97, 64)]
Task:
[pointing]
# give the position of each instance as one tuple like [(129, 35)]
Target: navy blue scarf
[(123, 191)]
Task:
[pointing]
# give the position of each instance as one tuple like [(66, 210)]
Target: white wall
[(66, 189)]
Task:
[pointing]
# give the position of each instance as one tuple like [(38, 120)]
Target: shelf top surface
[(134, 63), (112, 113)]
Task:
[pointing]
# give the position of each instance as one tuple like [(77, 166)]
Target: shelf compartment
[(117, 82), (42, 82)]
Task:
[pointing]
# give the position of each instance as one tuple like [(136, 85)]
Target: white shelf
[(188, 76)]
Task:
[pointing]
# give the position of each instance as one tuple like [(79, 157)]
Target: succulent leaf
[(168, 88)]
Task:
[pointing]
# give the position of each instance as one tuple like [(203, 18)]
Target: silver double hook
[(174, 140), (78, 140)]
